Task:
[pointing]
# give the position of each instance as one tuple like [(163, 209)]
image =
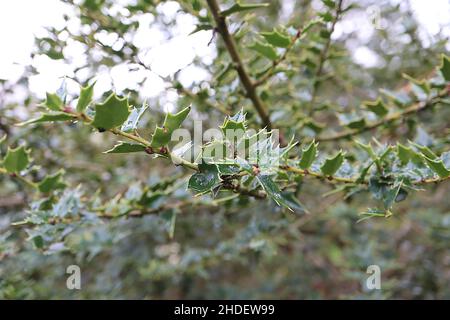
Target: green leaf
[(38, 242), (53, 102), (445, 67), (277, 39), (265, 50), (406, 154), (47, 117), (308, 155), (391, 194), (16, 159), (124, 147), (206, 179), (281, 198), (111, 113), (235, 125), (403, 153), (202, 27), (329, 3), (425, 150), (331, 165), (378, 107), (174, 121), (228, 169), (160, 138), (291, 201), (326, 16), (421, 85), (170, 217), (401, 99), (240, 7), (367, 148), (356, 124), (133, 118), (196, 5), (311, 24), (162, 135), (51, 182), (85, 97), (438, 167)]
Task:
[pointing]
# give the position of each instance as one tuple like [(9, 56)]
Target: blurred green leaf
[(265, 50), (331, 165), (111, 113), (16, 159), (308, 155), (240, 7), (85, 97)]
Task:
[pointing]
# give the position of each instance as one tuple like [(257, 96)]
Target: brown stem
[(388, 119), (250, 88), (323, 57)]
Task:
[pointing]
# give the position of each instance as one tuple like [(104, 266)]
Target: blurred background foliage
[(242, 248)]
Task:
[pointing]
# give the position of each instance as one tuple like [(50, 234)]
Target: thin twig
[(250, 88), (322, 58), (420, 106)]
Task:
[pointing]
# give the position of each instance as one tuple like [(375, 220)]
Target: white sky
[(21, 19)]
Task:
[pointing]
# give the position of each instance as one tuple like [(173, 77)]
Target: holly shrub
[(337, 172)]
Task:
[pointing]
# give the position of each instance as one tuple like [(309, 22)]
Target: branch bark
[(250, 88)]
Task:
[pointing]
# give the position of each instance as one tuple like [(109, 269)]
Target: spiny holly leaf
[(405, 154), (85, 97), (133, 118), (124, 147), (234, 127), (317, 127), (51, 182), (401, 99), (438, 167), (367, 148), (265, 50), (281, 198), (421, 85), (174, 121), (311, 24), (228, 169), (425, 150), (111, 113), (293, 203), (47, 117), (378, 107), (331, 165), (309, 155), (162, 135), (16, 160), (391, 195), (356, 124), (206, 179), (239, 7), (445, 67), (277, 39), (53, 102)]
